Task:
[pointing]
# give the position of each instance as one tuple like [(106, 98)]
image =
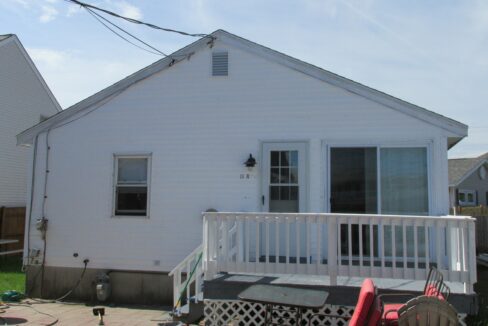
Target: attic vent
[(220, 64)]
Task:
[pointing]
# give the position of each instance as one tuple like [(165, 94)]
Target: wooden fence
[(12, 226), (481, 215)]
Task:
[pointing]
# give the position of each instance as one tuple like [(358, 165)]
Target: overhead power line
[(99, 18), (135, 21)]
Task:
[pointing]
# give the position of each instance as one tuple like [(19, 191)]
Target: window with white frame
[(131, 185), (467, 198)]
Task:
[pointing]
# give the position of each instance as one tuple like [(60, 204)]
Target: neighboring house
[(132, 167), (25, 100), (468, 181)]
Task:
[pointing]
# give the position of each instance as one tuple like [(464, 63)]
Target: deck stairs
[(188, 278)]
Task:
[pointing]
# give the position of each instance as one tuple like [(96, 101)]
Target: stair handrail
[(186, 259)]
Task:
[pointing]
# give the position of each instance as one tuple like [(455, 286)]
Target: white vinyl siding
[(200, 129), (23, 100)]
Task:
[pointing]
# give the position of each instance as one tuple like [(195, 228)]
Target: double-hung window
[(131, 189), (467, 198)]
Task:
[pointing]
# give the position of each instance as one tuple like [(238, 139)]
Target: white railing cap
[(265, 214)]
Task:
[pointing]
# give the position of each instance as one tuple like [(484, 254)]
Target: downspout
[(29, 217)]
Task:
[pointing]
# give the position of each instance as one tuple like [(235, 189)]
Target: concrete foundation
[(129, 287)]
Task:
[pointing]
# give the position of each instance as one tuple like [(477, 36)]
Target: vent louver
[(220, 64)]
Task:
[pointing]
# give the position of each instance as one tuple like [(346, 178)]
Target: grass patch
[(11, 276)]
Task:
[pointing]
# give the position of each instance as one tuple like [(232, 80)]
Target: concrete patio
[(41, 314)]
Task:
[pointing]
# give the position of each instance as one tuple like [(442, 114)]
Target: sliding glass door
[(379, 180)]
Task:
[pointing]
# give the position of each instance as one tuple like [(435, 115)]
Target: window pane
[(293, 158), (275, 158), (404, 186), (275, 175), (353, 180), (132, 170), (294, 175), (274, 192), (285, 158), (131, 201), (285, 175)]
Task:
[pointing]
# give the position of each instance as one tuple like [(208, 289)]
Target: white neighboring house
[(132, 167), (25, 99)]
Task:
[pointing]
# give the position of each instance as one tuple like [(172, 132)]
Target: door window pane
[(283, 188), (404, 185)]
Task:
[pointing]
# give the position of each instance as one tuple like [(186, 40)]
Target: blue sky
[(431, 53)]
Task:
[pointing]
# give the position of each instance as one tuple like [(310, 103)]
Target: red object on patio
[(366, 307), (434, 287)]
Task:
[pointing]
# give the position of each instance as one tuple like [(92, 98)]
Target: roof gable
[(461, 168), (456, 129)]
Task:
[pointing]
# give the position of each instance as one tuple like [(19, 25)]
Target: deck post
[(332, 248)]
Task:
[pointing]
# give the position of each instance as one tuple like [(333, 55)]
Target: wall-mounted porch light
[(251, 162)]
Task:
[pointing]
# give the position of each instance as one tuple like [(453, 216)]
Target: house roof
[(12, 38), (456, 130), (4, 37), (461, 168)]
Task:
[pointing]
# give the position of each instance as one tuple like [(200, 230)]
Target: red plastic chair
[(434, 287), (368, 309)]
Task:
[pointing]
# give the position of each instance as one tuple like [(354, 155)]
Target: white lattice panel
[(235, 312)]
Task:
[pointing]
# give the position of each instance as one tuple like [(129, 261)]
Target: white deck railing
[(381, 246)]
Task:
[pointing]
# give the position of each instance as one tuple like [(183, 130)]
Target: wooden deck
[(345, 293)]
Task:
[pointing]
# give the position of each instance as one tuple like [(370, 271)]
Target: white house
[(25, 100), (132, 167)]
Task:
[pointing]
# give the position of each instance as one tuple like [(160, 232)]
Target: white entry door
[(284, 177)]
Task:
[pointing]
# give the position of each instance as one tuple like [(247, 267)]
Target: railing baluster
[(308, 239), (320, 225), (349, 244), (415, 250), (381, 235), (297, 235), (371, 247), (339, 242), (266, 236), (277, 243), (438, 245), (404, 238), (239, 245), (393, 248), (248, 239), (449, 249), (287, 227), (258, 250), (360, 229), (427, 248)]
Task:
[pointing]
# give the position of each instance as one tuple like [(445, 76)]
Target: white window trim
[(466, 202), (327, 145), (116, 157)]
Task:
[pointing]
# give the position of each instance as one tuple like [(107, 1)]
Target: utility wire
[(135, 21), (99, 18)]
